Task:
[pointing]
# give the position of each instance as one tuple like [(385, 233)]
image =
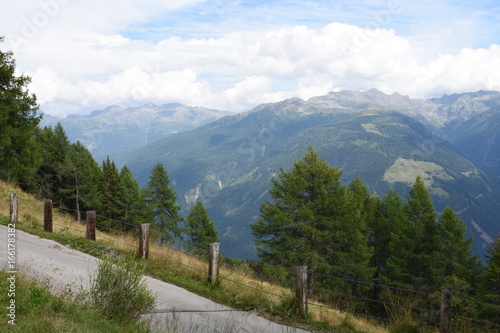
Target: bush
[(119, 292)]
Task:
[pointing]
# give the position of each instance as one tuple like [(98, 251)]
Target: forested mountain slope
[(228, 164)]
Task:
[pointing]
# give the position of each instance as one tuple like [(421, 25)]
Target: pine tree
[(161, 200), (19, 153), (199, 229)]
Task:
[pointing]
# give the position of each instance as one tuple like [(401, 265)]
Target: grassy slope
[(38, 310), (177, 268)]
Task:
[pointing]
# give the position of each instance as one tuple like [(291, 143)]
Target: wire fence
[(391, 305)]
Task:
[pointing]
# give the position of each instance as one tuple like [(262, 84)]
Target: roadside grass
[(236, 288), (39, 310)]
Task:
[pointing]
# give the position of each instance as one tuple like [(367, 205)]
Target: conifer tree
[(133, 201), (310, 222), (161, 200), (59, 150), (489, 289), (46, 173), (52, 171), (83, 176), (19, 155), (389, 217), (111, 209), (455, 255), (199, 228), (415, 245)]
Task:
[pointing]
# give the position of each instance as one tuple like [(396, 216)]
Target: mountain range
[(116, 128), (386, 140)]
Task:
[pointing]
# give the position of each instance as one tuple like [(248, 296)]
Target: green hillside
[(479, 139), (228, 164)]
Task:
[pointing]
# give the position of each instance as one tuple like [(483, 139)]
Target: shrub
[(118, 290)]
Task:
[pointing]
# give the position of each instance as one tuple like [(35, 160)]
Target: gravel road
[(62, 267)]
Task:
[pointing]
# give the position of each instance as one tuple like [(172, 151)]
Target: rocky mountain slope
[(116, 129)]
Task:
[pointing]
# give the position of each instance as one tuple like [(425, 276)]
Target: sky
[(234, 55)]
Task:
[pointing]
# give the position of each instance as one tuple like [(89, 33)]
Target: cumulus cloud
[(80, 61)]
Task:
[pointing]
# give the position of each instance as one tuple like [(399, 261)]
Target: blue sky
[(234, 55)]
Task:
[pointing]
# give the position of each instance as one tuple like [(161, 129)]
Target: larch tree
[(455, 254), (388, 217), (309, 221)]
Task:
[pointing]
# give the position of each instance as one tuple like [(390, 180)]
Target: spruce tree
[(20, 156), (199, 229), (111, 209), (161, 200)]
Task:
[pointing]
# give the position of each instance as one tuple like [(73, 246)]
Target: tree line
[(42, 161), (341, 230)]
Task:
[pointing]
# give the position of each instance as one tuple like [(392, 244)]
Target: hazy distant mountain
[(228, 163), (116, 129), (473, 126)]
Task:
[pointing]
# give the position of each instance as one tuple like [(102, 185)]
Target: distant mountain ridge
[(387, 140), (116, 129)]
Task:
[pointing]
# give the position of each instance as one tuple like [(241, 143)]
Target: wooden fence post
[(213, 265), (144, 241), (47, 215), (301, 290), (13, 207), (445, 311), (91, 221)]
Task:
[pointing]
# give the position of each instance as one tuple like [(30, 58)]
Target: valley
[(386, 140)]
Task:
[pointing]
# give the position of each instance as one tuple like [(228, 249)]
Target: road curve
[(178, 310)]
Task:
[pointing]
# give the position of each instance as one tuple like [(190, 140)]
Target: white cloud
[(80, 61)]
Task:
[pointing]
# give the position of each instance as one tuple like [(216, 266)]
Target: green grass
[(38, 310)]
